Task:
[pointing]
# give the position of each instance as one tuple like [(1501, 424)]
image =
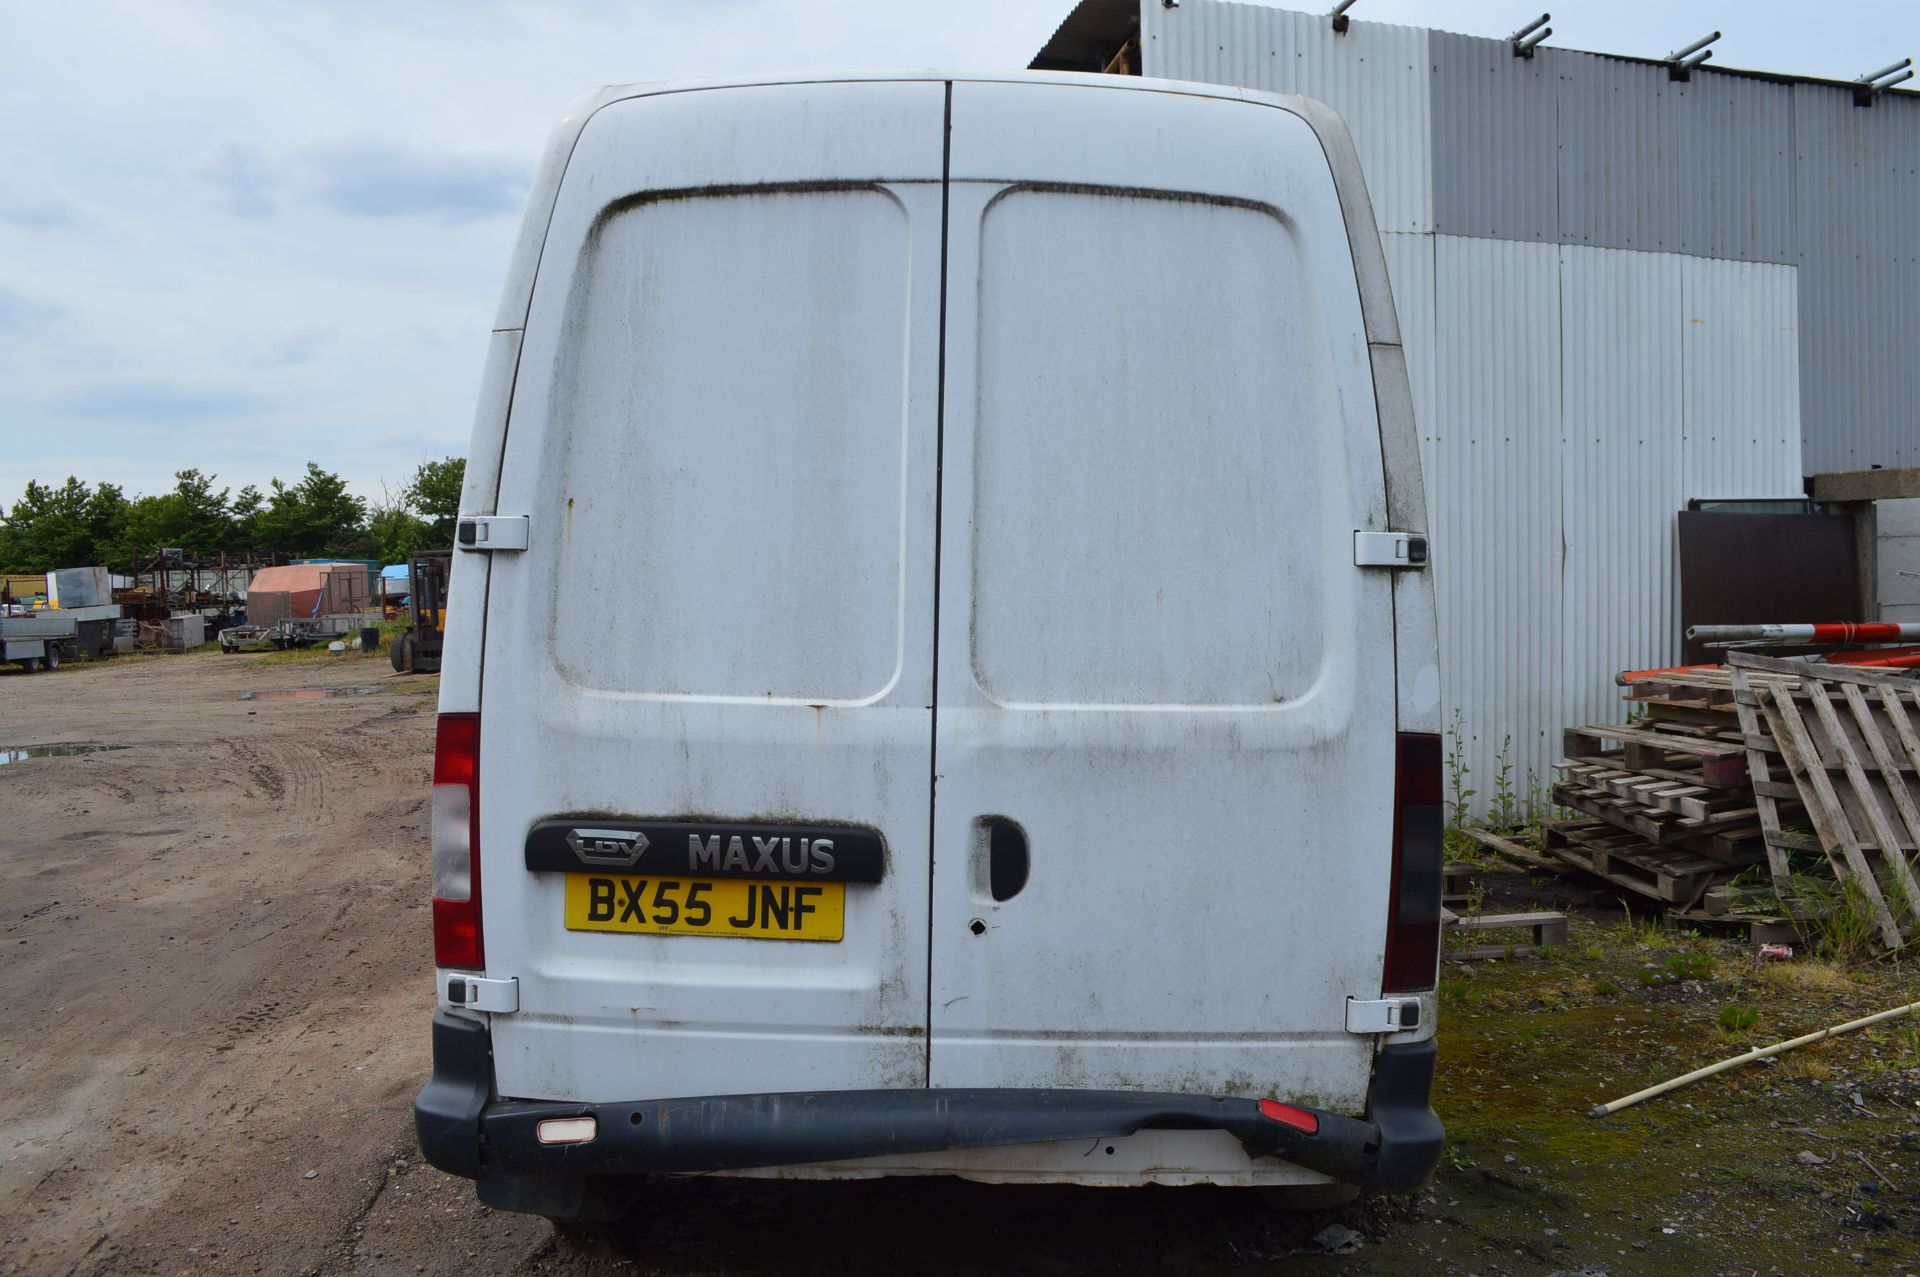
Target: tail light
[(456, 843), (1413, 910)]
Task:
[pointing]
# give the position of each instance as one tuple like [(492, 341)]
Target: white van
[(940, 676)]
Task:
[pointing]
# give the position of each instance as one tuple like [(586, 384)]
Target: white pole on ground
[(1758, 1053)]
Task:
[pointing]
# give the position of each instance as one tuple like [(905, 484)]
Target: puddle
[(307, 693), (21, 753)]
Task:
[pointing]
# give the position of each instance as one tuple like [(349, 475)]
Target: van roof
[(1369, 263)]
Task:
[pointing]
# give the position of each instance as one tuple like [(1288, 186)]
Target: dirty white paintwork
[(1156, 655), (724, 429)]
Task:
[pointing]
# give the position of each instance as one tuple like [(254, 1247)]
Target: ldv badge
[(619, 847)]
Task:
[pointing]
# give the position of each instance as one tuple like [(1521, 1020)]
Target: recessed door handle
[(1004, 843)]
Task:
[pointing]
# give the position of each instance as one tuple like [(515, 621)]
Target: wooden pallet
[(1592, 797), (1674, 875), (1717, 760), (1854, 771), (1661, 791)]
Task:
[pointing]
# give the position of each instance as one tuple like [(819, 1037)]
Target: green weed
[(1735, 1018), (1505, 811), (1460, 796)]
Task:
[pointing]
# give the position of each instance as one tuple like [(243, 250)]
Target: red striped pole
[(1813, 632)]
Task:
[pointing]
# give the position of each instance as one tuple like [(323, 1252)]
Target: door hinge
[(491, 532), (477, 993), (1382, 1015), (1390, 549)]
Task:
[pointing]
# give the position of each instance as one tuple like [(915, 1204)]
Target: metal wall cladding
[(1495, 140), (1648, 163), (1858, 199), (1584, 149), (1741, 396), (1577, 398), (1496, 482), (1622, 458), (1376, 76)]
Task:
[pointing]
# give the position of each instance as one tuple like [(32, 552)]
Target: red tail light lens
[(1413, 911), (456, 843)]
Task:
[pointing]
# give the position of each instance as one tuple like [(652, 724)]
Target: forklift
[(416, 649)]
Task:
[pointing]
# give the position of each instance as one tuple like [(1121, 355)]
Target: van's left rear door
[(723, 433)]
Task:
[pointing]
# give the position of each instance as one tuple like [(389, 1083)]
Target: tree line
[(77, 524)]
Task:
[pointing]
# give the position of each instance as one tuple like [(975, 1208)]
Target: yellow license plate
[(744, 907)]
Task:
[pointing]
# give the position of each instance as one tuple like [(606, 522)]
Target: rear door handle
[(1002, 843)]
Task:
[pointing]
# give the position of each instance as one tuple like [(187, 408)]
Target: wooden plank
[(1895, 704), (1511, 850), (1718, 820), (1890, 774), (1884, 837), (1688, 800), (1746, 702), (1833, 673), (1692, 713), (1633, 819), (1823, 807), (1576, 744), (1660, 740)]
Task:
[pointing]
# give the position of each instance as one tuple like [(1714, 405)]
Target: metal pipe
[(1686, 67), (1340, 8), (1812, 632), (1901, 65), (1902, 78), (1525, 48), (1693, 48), (1530, 28)]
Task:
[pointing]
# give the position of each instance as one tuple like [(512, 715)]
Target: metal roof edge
[(1088, 17)]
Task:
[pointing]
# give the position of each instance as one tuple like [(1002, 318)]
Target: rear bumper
[(462, 1129)]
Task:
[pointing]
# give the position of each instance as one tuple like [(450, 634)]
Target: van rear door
[(1165, 711), (723, 434)]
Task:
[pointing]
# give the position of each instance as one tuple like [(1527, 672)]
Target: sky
[(241, 236)]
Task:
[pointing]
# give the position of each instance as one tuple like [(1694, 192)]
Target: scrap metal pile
[(1810, 768)]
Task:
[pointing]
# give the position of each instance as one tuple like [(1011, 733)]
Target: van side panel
[(723, 434), (1157, 657)]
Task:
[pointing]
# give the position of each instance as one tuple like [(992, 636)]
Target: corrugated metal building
[(1619, 292)]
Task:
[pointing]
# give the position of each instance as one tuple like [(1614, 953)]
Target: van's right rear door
[(1163, 683)]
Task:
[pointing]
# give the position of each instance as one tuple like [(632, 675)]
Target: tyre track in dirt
[(217, 949)]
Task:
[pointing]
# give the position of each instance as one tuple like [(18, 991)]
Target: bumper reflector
[(1287, 1115), (566, 1130)]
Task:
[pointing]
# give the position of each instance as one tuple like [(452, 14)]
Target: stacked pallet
[(1670, 813), (1753, 761)]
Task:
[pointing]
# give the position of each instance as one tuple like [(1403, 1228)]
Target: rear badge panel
[(707, 850)]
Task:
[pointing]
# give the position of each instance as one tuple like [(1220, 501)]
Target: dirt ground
[(216, 959)]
